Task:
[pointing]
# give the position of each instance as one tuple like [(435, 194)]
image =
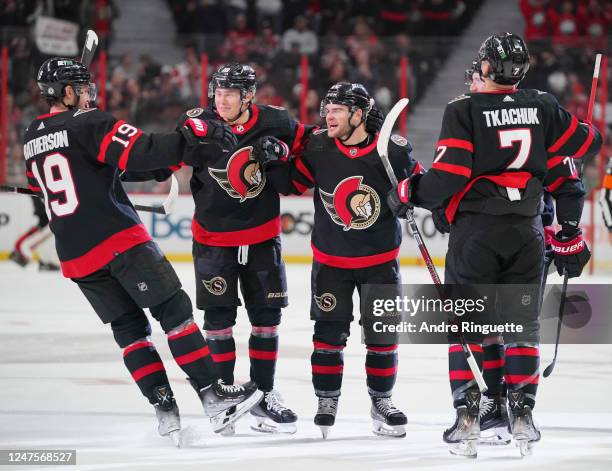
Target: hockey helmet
[(55, 73), (353, 95), (508, 55), (233, 75)]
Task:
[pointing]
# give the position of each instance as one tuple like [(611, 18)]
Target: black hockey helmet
[(233, 75), (353, 95), (508, 55), (55, 73)]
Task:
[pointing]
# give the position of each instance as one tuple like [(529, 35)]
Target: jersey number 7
[(507, 138)]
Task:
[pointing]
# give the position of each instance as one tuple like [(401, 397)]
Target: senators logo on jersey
[(243, 177), (352, 205)]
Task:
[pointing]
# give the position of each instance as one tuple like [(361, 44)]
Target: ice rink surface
[(63, 386)]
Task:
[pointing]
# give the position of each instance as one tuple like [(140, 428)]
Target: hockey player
[(73, 157), (605, 198), (497, 150), (37, 240), (355, 241)]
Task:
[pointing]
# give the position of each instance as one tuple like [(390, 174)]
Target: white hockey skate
[(272, 416), (387, 419), (224, 404), (464, 434), (167, 412), (326, 414), (524, 431)]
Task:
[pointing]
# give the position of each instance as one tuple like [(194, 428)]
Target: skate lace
[(328, 405), (386, 406), (274, 402), (230, 388), (487, 405)]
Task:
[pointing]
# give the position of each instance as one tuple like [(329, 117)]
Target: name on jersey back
[(505, 116), (45, 143)]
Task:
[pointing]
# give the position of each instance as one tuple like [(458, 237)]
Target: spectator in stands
[(127, 68), (565, 24), (535, 13), (238, 41), (596, 23), (300, 38), (363, 38)]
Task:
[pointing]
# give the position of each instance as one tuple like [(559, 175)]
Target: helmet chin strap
[(353, 128)]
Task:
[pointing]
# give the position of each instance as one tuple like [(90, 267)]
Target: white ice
[(63, 386)]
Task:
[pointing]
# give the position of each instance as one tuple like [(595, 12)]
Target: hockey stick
[(383, 147), (549, 369), (168, 205), (165, 208), (89, 48)]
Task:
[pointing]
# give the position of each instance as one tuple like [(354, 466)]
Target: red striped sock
[(521, 370), (145, 366), (459, 373), (191, 353), (381, 369), (263, 352), (223, 351), (327, 366)]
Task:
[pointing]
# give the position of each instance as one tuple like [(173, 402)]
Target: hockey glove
[(374, 121), (549, 253), (270, 150), (398, 199), (440, 220), (571, 253), (198, 131)]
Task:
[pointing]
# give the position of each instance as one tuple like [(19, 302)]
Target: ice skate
[(224, 403), (524, 431), (463, 435), (388, 420), (494, 424), (326, 414), (167, 412), (272, 416), (18, 258)]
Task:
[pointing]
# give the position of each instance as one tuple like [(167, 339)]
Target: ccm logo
[(577, 247)]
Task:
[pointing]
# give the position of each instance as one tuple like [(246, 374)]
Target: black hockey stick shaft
[(549, 369), (383, 151), (89, 48), (27, 191)]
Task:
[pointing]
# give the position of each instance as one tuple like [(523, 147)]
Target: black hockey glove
[(374, 121), (440, 220), (199, 131), (571, 253), (398, 199), (270, 150)]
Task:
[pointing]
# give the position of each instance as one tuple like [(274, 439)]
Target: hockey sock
[(459, 373), (327, 365), (145, 366), (223, 350), (381, 369), (263, 351), (493, 368), (522, 370), (191, 353)]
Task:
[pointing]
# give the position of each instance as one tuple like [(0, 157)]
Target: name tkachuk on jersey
[(504, 117), (42, 144), (353, 226), (243, 177)]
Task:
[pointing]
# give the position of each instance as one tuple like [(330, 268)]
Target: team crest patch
[(195, 112), (326, 302), (243, 177), (216, 285), (352, 205), (399, 140)]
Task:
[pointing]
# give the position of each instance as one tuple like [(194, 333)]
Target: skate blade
[(324, 430), (175, 436), (391, 431), (466, 448), (263, 425), (497, 436), (227, 417), (524, 446), (228, 431)]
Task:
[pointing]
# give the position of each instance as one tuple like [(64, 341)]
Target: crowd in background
[(344, 40)]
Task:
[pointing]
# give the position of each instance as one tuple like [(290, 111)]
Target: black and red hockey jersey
[(73, 158), (353, 226), (497, 151), (234, 204)]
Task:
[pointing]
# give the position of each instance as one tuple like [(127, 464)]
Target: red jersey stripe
[(107, 140)]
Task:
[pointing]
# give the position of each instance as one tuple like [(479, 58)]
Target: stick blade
[(549, 369), (170, 201), (387, 127), (89, 49)]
